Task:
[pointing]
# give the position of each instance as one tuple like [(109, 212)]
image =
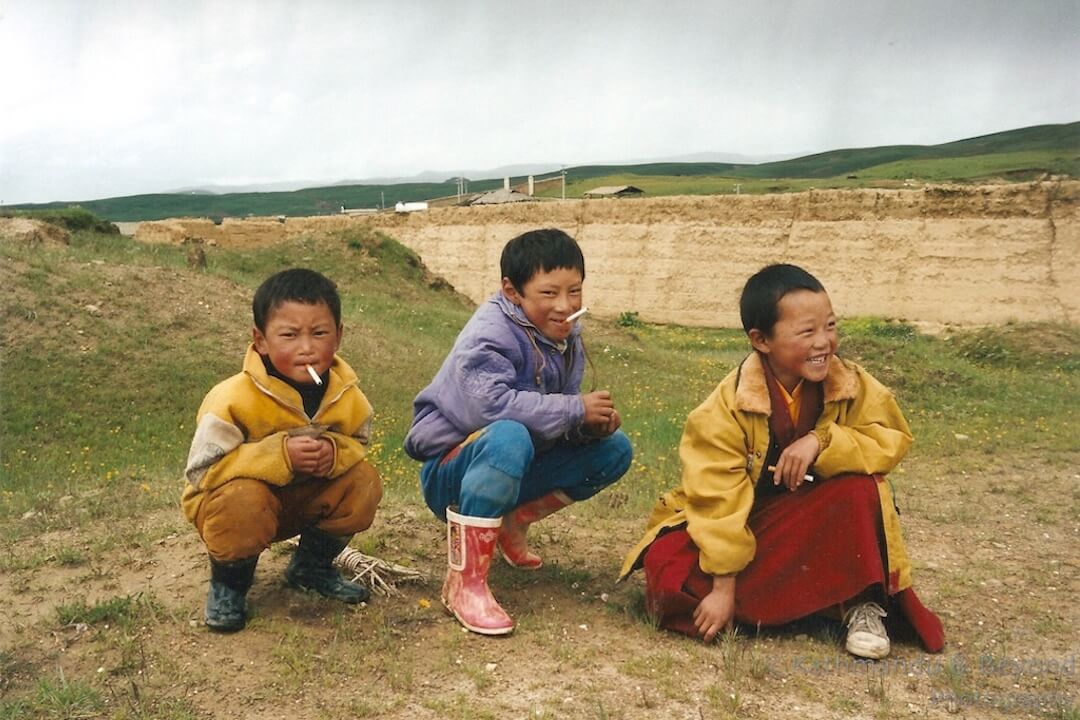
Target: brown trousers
[(242, 517)]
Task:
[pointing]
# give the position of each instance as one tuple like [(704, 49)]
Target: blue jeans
[(497, 468)]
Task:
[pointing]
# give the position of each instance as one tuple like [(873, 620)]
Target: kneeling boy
[(784, 510)]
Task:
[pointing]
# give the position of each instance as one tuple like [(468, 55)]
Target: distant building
[(498, 197), (617, 191)]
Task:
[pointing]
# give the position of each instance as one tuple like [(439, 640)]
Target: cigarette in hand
[(574, 316), (807, 478), (314, 375)]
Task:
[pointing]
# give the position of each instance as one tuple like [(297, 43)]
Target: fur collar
[(752, 395)]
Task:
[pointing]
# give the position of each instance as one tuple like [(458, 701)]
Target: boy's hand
[(599, 408), (796, 459), (601, 417), (604, 429), (717, 610), (311, 456)]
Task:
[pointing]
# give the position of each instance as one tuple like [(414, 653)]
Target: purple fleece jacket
[(500, 368)]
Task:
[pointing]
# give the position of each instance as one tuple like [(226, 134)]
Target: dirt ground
[(998, 561)]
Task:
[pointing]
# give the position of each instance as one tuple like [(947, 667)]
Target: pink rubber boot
[(470, 543), (512, 542)]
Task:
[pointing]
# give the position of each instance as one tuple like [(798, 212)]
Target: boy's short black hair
[(761, 295), (298, 285), (539, 251)]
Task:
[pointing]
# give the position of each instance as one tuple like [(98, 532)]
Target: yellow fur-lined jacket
[(244, 421), (723, 449)]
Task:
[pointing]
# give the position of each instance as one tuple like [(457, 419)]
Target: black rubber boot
[(312, 568), (226, 605)]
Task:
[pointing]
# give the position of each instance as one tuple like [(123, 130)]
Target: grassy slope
[(1061, 140), (106, 395)]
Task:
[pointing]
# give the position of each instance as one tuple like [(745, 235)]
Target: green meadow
[(99, 393)]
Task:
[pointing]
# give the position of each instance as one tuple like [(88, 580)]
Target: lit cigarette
[(314, 375), (807, 478), (576, 315)]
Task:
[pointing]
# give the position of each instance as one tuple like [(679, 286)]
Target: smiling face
[(547, 298), (802, 341), (297, 335)]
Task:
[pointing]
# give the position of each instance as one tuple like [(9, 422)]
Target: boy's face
[(297, 335), (547, 299), (803, 340)]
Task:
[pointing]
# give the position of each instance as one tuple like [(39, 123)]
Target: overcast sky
[(100, 98)]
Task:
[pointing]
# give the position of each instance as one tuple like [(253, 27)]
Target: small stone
[(92, 309), (490, 667), (961, 436)]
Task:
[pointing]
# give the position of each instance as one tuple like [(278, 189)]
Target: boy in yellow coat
[(280, 449), (783, 510)]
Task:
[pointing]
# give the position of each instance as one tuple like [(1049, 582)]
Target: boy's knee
[(619, 455), (507, 447), (491, 493), (360, 498), (238, 519)]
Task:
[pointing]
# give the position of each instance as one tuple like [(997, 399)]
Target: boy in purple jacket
[(504, 432)]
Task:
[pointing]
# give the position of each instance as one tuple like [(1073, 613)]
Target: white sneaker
[(866, 635)]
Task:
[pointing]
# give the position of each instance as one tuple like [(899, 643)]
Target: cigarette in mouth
[(807, 478), (314, 375), (576, 315)]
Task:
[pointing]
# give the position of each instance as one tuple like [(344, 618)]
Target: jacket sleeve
[(219, 453), (867, 435), (719, 493), (485, 380), (349, 449)]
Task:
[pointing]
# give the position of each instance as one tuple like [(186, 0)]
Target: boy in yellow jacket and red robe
[(783, 510)]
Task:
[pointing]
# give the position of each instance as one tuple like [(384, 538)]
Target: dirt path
[(997, 560)]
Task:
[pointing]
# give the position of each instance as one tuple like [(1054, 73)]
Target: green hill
[(1013, 155), (297, 203), (1059, 141)]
